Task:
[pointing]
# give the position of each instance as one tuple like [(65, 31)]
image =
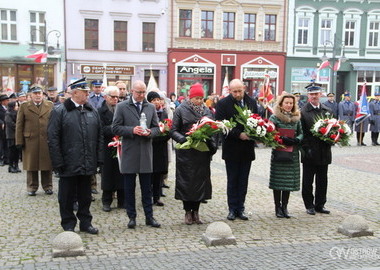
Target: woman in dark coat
[(10, 130), (160, 151), (111, 179), (285, 176), (193, 182)]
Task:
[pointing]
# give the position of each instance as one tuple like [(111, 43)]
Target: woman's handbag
[(282, 156)]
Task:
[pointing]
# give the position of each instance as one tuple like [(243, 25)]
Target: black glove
[(213, 148), (182, 140), (19, 147), (290, 141), (372, 122)]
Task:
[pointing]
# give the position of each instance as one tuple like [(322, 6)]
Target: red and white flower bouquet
[(116, 143), (202, 131), (332, 131), (165, 126)]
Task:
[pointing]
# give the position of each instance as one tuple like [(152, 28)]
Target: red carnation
[(341, 130), (333, 136), (323, 130), (270, 128)]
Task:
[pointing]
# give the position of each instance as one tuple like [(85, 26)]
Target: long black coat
[(160, 149), (10, 124), (75, 139), (111, 179), (314, 150), (193, 175), (234, 148)]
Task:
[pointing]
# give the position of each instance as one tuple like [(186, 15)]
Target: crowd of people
[(69, 134)]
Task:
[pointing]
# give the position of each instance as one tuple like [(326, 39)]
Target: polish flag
[(324, 64), (225, 90), (265, 90), (337, 65), (39, 57)]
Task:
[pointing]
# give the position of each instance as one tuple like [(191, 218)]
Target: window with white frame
[(8, 29), (249, 26), (228, 25), (185, 22), (326, 31), (270, 27), (37, 27), (373, 34), (303, 31), (349, 33)]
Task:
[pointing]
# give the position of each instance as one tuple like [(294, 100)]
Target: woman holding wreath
[(285, 164)]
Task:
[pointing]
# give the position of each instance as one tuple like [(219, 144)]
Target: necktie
[(80, 107), (97, 98), (138, 106), (241, 103)]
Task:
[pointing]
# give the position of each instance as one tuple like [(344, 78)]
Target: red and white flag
[(225, 90), (265, 90), (39, 57), (337, 65), (324, 64)]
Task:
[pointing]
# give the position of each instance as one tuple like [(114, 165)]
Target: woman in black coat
[(10, 129), (111, 179), (160, 151), (193, 182)]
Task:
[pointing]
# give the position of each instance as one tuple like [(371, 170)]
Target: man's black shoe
[(322, 210), (90, 230), (48, 192), (132, 223), (152, 222), (106, 208), (231, 215), (32, 193), (69, 230), (310, 211), (242, 216)]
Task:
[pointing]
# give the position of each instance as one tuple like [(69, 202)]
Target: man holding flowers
[(238, 149), (316, 153)]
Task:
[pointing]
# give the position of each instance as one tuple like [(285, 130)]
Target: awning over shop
[(366, 66)]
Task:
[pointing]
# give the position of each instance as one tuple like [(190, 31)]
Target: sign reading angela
[(195, 70)]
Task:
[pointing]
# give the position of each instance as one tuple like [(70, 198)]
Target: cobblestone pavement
[(28, 224)]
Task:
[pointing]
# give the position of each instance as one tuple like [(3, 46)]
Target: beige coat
[(31, 133)]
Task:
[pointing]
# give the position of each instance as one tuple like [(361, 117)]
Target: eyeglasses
[(114, 96), (140, 92)]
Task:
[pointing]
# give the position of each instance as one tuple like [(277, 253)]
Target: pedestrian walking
[(31, 134), (285, 172), (238, 150), (136, 121), (76, 146)]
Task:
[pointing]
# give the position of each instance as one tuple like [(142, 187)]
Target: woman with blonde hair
[(285, 164)]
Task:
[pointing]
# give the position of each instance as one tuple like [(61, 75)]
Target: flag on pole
[(225, 90), (152, 84), (324, 64), (265, 90), (39, 57), (337, 65), (362, 111), (105, 81)]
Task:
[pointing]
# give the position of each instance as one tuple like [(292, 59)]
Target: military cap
[(296, 93), (330, 94), (97, 82), (80, 84), (35, 88), (314, 87), (52, 89), (21, 94), (347, 94)]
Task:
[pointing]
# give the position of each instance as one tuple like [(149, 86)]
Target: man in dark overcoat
[(316, 154), (4, 100), (238, 150), (374, 109), (111, 178), (31, 134), (76, 148), (136, 120)]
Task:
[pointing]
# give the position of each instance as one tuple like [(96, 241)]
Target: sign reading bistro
[(110, 70)]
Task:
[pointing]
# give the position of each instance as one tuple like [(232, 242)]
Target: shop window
[(185, 22), (91, 34), (120, 29), (270, 27), (8, 27), (228, 25), (249, 26), (207, 24), (149, 37)]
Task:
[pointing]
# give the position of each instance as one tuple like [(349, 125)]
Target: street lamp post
[(47, 49), (335, 46)]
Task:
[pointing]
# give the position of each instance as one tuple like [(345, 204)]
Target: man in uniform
[(374, 109), (52, 93), (332, 104), (347, 110), (4, 100), (75, 141), (96, 97), (31, 134), (316, 153)]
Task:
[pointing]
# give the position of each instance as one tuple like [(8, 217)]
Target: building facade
[(26, 28), (344, 35), (212, 39), (125, 39)]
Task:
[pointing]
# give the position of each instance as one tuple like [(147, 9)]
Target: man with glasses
[(137, 150)]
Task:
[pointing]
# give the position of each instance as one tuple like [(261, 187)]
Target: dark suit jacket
[(234, 148)]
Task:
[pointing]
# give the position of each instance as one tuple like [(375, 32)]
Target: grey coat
[(137, 151), (374, 109)]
